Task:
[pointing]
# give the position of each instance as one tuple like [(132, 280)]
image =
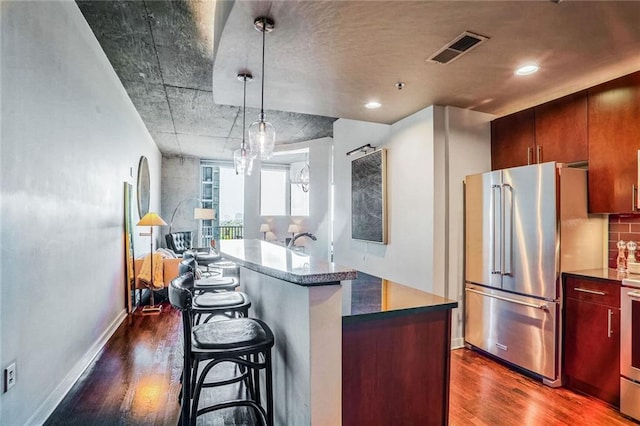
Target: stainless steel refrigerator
[(523, 226)]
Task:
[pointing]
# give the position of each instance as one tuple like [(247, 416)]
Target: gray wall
[(70, 137), (180, 183)]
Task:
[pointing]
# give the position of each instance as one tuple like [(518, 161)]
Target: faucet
[(302, 234)]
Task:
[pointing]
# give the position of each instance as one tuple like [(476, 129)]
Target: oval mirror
[(144, 187)]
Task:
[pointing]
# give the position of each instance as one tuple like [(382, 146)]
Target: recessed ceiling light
[(372, 105), (527, 69)]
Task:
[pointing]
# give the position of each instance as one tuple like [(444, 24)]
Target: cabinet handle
[(609, 331), (539, 154), (585, 290), (529, 155), (634, 192)]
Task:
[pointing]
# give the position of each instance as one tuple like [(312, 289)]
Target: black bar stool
[(245, 342), (207, 284)]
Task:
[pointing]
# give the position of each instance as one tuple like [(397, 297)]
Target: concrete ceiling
[(327, 58), (162, 52)]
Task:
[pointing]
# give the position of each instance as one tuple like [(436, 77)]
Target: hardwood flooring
[(135, 380), (484, 392)]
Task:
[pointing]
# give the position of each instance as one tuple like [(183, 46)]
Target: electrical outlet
[(9, 376)]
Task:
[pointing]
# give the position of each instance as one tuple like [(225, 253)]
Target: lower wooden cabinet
[(592, 338)]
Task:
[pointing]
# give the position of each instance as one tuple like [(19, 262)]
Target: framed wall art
[(369, 197)]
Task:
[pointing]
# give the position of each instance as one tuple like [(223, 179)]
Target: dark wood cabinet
[(512, 140), (592, 338), (561, 129), (395, 369), (555, 131), (614, 140)]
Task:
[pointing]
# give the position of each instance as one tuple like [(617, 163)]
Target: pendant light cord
[(264, 30), (244, 110)]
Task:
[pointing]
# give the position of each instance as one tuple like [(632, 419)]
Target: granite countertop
[(279, 262), (606, 274), (370, 297)]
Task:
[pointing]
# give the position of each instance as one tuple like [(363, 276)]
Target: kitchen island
[(338, 357)]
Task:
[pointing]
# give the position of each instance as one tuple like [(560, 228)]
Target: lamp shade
[(151, 219), (265, 227), (270, 236), (204, 214), (293, 228)]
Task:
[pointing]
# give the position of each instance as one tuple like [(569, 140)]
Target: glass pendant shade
[(243, 161), (262, 139), (302, 178)]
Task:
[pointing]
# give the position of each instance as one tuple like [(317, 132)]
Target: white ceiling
[(328, 58)]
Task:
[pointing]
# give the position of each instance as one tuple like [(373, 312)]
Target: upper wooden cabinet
[(614, 141), (561, 129), (512, 140), (554, 131)]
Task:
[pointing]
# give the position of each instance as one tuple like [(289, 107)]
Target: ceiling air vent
[(459, 45)]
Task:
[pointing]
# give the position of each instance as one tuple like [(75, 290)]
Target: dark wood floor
[(135, 381)]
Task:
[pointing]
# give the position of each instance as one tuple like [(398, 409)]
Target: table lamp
[(293, 228), (264, 228), (151, 219)]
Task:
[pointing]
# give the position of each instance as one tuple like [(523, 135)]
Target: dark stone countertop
[(369, 297), (605, 274)]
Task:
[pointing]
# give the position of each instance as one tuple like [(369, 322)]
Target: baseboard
[(457, 343), (49, 405)]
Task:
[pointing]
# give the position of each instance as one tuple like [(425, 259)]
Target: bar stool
[(207, 284), (246, 342), (215, 298)]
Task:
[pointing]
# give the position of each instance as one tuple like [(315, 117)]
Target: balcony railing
[(222, 233)]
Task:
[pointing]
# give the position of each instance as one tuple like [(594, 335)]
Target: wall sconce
[(264, 228)]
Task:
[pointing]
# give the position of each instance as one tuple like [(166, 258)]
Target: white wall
[(429, 154), (408, 256), (468, 152), (69, 137), (318, 222)]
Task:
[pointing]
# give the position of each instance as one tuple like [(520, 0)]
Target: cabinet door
[(512, 140), (592, 349), (614, 140), (561, 129)]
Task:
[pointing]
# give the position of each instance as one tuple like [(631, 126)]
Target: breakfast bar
[(345, 352)]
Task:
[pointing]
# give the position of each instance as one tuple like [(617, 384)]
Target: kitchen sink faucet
[(302, 234)]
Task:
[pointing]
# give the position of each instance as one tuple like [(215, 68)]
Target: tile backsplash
[(622, 227)]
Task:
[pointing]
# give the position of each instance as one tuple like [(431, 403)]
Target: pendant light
[(262, 134), (302, 177), (242, 158)]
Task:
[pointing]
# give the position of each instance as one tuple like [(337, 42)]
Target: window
[(273, 192), (223, 191), (281, 191)]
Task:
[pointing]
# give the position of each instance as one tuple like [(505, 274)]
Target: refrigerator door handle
[(541, 306), (507, 257), (496, 261)]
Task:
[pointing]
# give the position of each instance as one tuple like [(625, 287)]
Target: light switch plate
[(9, 376)]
